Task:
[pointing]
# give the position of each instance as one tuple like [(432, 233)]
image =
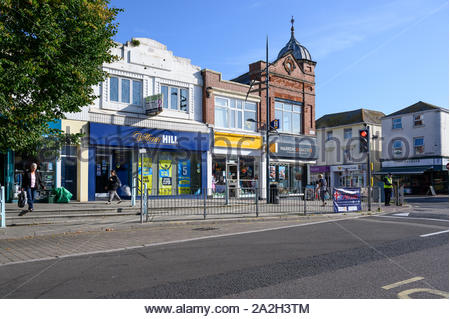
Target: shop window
[(178, 99), (347, 133), (234, 114), (418, 120), (125, 90), (397, 123), (289, 116), (419, 147)]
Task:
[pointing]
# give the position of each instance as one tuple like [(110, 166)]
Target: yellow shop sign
[(230, 140)]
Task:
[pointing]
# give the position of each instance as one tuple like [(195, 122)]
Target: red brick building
[(237, 112)]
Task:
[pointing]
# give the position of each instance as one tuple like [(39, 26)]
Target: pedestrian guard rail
[(204, 202)]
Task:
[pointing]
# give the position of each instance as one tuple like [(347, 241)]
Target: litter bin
[(274, 196)]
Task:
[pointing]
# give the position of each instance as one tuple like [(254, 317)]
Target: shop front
[(418, 174), (236, 162), (171, 163), (350, 175), (289, 159)]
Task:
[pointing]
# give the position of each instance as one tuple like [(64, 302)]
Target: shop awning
[(405, 170)]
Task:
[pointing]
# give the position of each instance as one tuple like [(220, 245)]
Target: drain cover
[(205, 228)]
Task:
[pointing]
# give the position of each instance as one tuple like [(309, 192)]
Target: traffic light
[(364, 141)]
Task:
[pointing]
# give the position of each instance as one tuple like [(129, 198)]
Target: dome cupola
[(298, 51)]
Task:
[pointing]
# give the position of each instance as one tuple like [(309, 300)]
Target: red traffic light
[(363, 133)]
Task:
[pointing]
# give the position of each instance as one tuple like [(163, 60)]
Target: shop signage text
[(293, 147), (230, 140)]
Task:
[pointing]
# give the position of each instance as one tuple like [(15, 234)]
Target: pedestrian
[(387, 189), (31, 182), (322, 188), (112, 186)]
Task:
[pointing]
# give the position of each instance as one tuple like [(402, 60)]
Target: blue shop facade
[(171, 162)]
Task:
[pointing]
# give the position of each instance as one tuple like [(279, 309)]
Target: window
[(397, 123), (125, 90), (235, 114), (397, 147), (419, 145), (178, 99), (418, 119), (329, 135), (289, 116), (347, 133)]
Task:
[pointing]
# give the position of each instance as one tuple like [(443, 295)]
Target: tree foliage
[(51, 53)]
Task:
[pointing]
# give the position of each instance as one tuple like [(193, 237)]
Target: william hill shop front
[(173, 162)]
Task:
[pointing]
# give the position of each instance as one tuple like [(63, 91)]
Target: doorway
[(103, 164)]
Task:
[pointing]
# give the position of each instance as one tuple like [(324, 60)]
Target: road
[(366, 257)]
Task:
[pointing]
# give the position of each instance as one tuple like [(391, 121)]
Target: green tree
[(51, 53)]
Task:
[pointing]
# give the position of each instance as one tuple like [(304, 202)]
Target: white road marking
[(436, 233), (401, 283), (401, 214), (435, 219)]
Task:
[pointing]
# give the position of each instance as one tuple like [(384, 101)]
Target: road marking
[(435, 219), (406, 293), (401, 283), (436, 233), (402, 214)]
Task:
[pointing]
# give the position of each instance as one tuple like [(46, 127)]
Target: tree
[(51, 53)]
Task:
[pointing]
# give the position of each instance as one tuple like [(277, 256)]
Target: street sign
[(153, 104), (275, 124)]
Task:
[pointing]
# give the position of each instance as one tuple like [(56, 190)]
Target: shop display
[(184, 177)]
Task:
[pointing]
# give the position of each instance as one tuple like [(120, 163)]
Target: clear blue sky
[(382, 55)]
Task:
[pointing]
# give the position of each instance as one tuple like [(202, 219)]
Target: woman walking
[(113, 185), (31, 182)]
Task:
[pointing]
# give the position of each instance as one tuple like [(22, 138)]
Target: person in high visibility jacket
[(387, 189)]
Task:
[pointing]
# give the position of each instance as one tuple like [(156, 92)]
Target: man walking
[(113, 184), (387, 189), (322, 188)]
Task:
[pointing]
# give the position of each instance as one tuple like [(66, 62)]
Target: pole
[(256, 198), (267, 123), (369, 172), (2, 207), (142, 176)]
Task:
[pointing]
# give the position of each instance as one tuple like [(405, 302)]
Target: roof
[(293, 46), (418, 107), (350, 117)]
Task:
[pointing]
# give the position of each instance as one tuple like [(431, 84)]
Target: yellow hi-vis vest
[(389, 180)]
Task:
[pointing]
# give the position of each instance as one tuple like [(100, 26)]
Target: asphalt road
[(367, 257)]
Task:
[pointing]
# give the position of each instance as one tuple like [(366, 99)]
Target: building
[(174, 143), (292, 102), (416, 147), (340, 158)]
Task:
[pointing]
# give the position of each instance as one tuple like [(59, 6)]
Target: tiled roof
[(350, 117), (418, 107)]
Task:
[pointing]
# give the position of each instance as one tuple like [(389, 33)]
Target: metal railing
[(238, 202)]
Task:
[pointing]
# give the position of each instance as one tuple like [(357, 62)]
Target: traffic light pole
[(369, 172)]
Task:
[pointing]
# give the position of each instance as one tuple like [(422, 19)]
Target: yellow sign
[(147, 174), (165, 177), (230, 140)]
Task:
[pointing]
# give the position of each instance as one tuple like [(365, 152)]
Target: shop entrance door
[(69, 175), (102, 170), (232, 176)]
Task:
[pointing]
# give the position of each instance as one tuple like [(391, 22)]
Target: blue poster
[(347, 200), (184, 177)]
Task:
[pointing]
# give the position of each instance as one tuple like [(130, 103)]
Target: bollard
[(2, 207), (133, 193), (204, 202)]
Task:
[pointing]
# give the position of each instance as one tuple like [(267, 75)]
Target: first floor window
[(289, 116), (329, 135), (175, 98), (234, 114), (125, 90), (419, 147), (418, 120), (347, 133)]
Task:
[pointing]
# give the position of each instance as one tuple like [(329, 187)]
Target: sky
[(381, 55)]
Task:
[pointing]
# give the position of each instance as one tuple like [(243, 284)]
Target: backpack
[(22, 200)]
